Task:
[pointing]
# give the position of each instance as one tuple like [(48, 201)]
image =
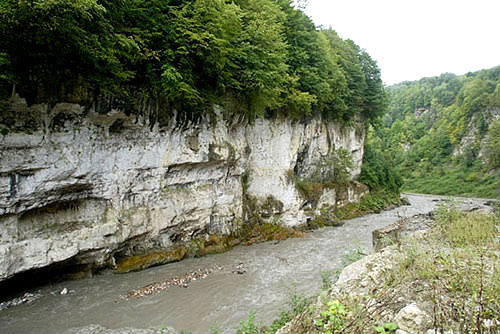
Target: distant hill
[(443, 133)]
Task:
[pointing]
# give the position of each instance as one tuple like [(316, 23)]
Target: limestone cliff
[(81, 188), (473, 133)]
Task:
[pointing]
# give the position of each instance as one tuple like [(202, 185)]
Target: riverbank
[(442, 278)]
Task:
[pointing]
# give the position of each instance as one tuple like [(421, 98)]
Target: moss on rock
[(326, 217), (143, 261), (212, 244)]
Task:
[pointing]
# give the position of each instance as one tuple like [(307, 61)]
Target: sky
[(419, 38)]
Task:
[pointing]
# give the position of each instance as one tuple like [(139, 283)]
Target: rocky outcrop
[(81, 188), (474, 135)]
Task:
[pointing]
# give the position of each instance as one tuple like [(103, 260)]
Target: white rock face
[(106, 184), (411, 319), (473, 133)]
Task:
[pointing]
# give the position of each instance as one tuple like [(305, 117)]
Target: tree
[(375, 98), (312, 65), (262, 57), (53, 44), (348, 59), (422, 145)]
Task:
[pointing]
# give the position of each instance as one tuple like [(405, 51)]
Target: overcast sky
[(415, 39)]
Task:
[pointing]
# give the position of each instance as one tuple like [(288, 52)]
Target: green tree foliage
[(56, 45), (378, 171), (440, 135), (348, 55), (374, 95), (265, 55)]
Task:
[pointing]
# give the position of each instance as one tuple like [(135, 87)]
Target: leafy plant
[(333, 319), (214, 330), (297, 304), (250, 326), (387, 328)]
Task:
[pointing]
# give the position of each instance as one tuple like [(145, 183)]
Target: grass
[(352, 255), (466, 229), (454, 180), (459, 263)]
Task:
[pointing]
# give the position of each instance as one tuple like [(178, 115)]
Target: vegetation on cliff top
[(260, 57), (442, 134)]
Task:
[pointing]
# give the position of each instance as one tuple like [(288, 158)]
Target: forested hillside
[(257, 57), (443, 133)]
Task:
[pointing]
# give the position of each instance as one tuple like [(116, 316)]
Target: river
[(272, 271)]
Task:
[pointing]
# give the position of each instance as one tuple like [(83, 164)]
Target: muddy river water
[(268, 273)]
